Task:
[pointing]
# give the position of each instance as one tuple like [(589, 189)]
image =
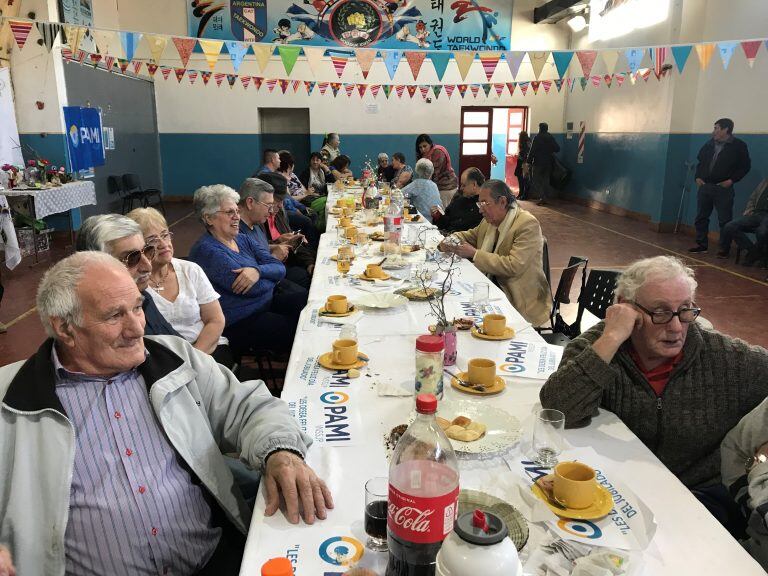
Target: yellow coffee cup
[(574, 485), (350, 232), (344, 352), (494, 324), (481, 371), (374, 271), (345, 221), (339, 202), (346, 250), (337, 304)]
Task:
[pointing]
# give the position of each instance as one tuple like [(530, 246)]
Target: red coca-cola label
[(422, 520)]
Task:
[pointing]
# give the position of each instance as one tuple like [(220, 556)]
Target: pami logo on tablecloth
[(336, 416), (580, 528), (340, 551), (514, 358)]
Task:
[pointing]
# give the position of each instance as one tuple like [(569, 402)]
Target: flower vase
[(449, 338)]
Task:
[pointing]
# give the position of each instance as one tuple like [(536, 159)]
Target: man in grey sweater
[(678, 387)]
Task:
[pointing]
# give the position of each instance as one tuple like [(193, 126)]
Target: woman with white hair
[(385, 172), (245, 274), (423, 191), (678, 387)]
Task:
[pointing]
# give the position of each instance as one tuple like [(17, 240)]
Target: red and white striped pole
[(580, 154)]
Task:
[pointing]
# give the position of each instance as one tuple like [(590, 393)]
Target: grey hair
[(100, 231), (57, 295), (424, 169), (254, 188), (207, 200), (383, 156), (658, 267), (498, 190)]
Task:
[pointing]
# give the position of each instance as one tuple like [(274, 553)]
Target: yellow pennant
[(156, 46), (705, 52), (464, 62), (538, 60), (74, 36), (315, 57), (263, 53), (211, 49)]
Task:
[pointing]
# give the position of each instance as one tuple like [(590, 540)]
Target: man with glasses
[(121, 237), (462, 213), (678, 387)]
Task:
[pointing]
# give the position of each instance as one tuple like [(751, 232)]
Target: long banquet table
[(687, 540)]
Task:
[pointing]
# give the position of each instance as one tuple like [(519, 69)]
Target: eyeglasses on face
[(482, 204), (132, 259), (165, 236), (685, 315), (231, 213)]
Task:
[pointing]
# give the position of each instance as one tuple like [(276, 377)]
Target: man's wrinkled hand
[(288, 475), (620, 320)]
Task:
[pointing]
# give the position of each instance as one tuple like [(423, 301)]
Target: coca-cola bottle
[(423, 494)]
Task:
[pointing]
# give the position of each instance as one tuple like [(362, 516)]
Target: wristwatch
[(753, 461)]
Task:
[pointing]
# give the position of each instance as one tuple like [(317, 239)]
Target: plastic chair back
[(597, 295), (131, 182)]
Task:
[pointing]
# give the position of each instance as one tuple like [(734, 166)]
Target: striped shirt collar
[(61, 373)]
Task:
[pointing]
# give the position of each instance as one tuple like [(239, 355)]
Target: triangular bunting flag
[(524, 87), (387, 90), (130, 41), (436, 88), (365, 60), (48, 32), (705, 52), (462, 89), (271, 83), (619, 79), (257, 82), (726, 52), (449, 88), (583, 81), (184, 47), (219, 77), (645, 73), (608, 79), (440, 62), (415, 60), (535, 85), (632, 78), (231, 79), (411, 89), (559, 84), (123, 64), (335, 87), (137, 66), (587, 60), (212, 50), (375, 90), (339, 62), (659, 58), (562, 61), (179, 73), (511, 87), (680, 54), (95, 58), (314, 56), (514, 59), (750, 48), (486, 89), (634, 58), (489, 60), (424, 91), (237, 52), (399, 89), (547, 85), (610, 57), (596, 81), (283, 82), (165, 71), (151, 69), (349, 88), (107, 43), (310, 86), (245, 81), (192, 76), (157, 45), (263, 53), (464, 62), (571, 84), (392, 61), (322, 86), (109, 62), (206, 77), (499, 89), (538, 59), (361, 88), (296, 84), (81, 56), (74, 36), (475, 89), (289, 55), (20, 31)]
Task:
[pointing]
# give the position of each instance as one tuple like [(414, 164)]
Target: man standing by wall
[(723, 161), (541, 158)]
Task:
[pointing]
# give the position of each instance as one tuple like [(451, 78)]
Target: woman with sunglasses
[(258, 313), (182, 291)]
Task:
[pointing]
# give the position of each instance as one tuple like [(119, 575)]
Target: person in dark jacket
[(122, 238), (754, 219), (723, 161), (541, 159), (462, 213), (521, 171)]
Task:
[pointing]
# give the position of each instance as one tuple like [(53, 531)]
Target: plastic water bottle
[(393, 219)]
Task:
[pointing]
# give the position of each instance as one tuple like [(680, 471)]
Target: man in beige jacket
[(507, 246)]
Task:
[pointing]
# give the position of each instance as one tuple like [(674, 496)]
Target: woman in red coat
[(444, 176)]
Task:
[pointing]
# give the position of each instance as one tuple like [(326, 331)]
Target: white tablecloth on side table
[(60, 198)]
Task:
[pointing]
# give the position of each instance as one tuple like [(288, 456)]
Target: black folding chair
[(558, 328), (132, 186), (545, 262)]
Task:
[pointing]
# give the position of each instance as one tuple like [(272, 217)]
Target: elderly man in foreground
[(507, 246), (122, 438), (678, 387)]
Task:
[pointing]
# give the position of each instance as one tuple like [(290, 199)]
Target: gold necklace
[(160, 286)]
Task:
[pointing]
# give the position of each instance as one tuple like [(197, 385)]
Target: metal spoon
[(466, 384)]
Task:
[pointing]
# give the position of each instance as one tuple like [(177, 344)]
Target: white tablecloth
[(59, 199), (688, 540)]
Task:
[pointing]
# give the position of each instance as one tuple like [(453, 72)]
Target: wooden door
[(475, 139)]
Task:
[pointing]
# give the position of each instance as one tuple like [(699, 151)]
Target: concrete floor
[(731, 296)]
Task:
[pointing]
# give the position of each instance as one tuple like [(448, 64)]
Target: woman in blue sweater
[(258, 313)]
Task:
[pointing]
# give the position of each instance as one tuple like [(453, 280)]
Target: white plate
[(381, 300), (502, 429)]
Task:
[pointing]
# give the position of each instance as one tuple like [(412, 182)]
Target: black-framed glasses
[(132, 259), (685, 315)]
